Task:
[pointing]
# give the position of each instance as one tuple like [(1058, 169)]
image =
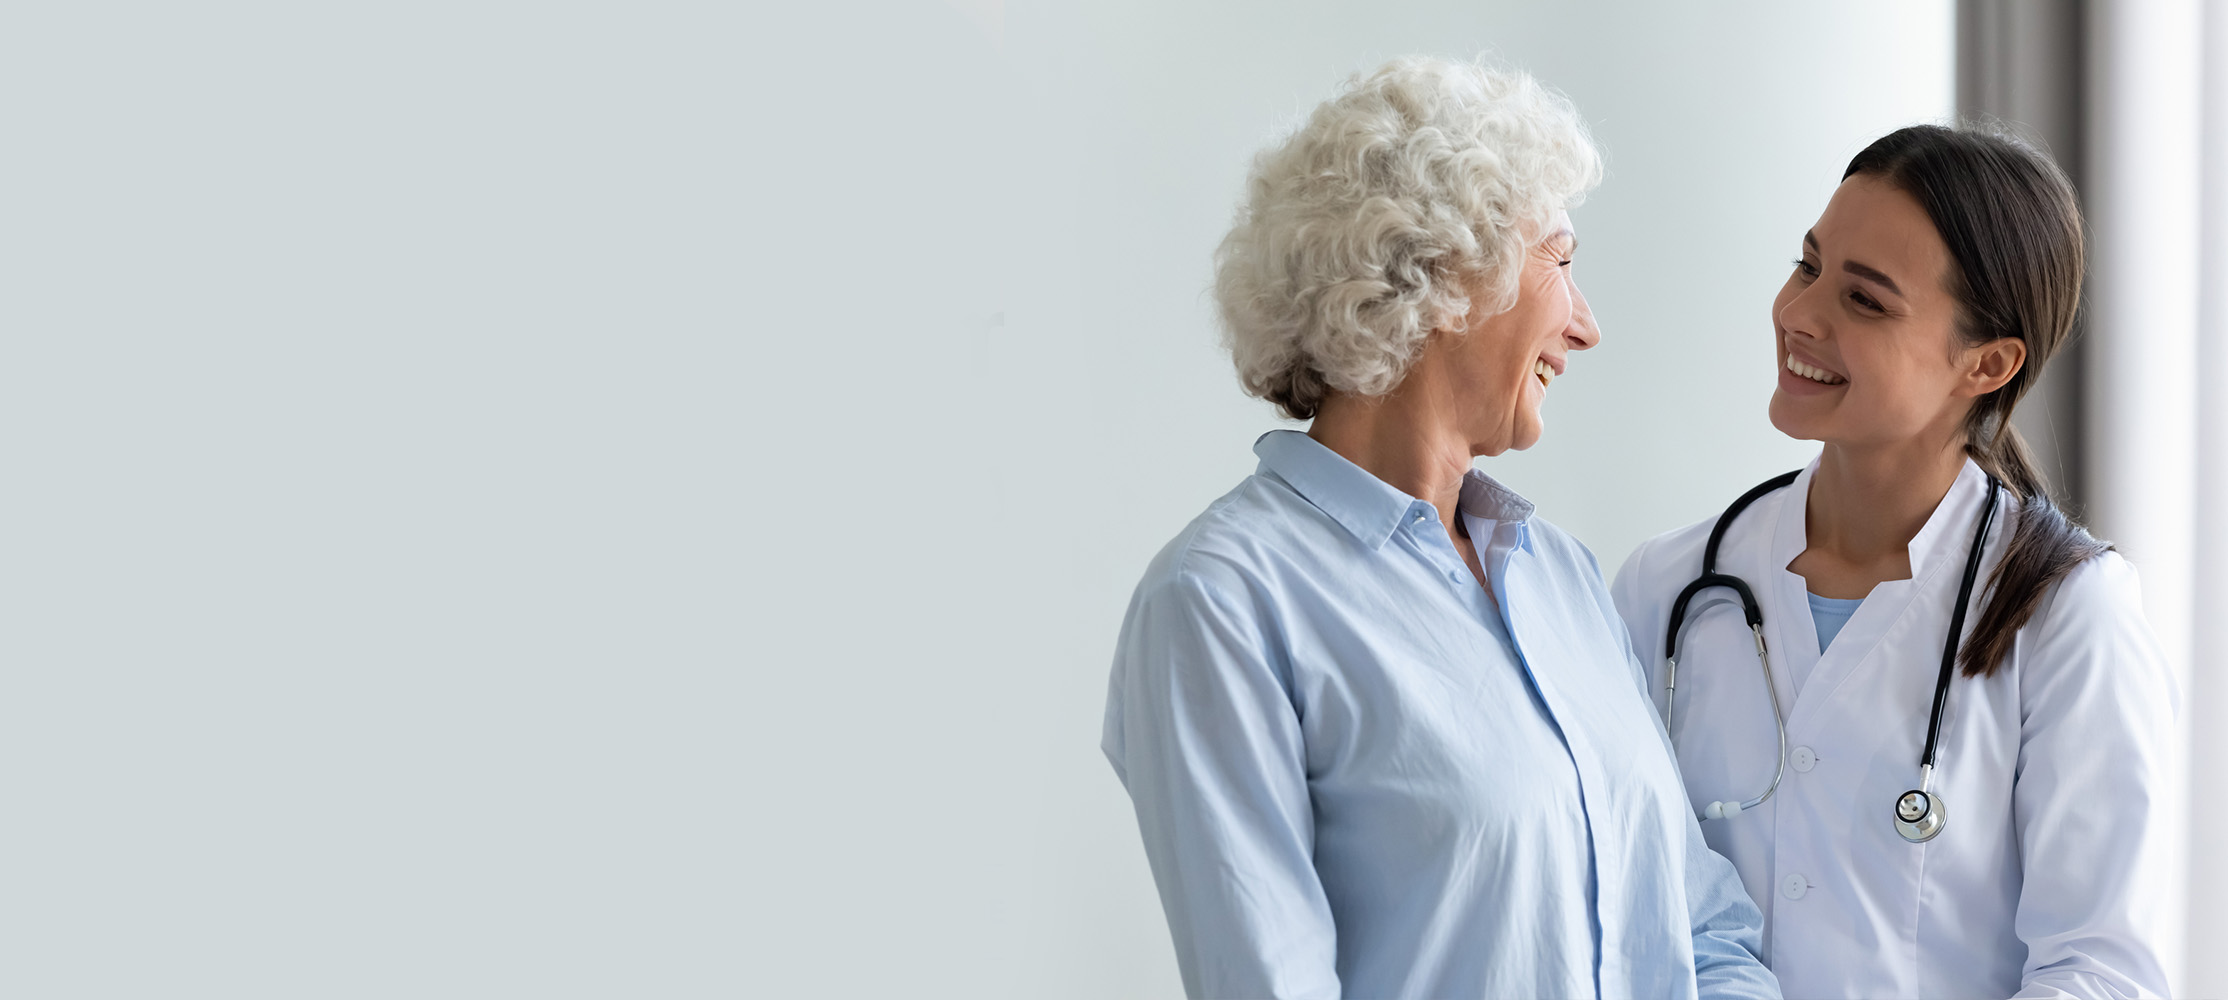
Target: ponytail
[(2045, 547)]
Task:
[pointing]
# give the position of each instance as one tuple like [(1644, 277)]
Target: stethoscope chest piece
[(1918, 816)]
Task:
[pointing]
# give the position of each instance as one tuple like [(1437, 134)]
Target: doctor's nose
[(1799, 315)]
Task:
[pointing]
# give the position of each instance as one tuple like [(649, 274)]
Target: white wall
[(521, 500)]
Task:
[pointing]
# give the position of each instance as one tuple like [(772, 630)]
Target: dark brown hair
[(2013, 227)]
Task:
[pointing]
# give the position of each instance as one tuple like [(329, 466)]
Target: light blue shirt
[(1828, 615), (1358, 775)]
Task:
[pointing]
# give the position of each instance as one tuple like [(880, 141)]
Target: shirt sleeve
[(1727, 926), (1201, 729), (2091, 797)]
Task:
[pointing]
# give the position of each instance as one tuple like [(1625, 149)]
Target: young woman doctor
[(2025, 857)]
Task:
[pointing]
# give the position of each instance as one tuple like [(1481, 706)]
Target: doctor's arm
[(1201, 729), (2091, 795)]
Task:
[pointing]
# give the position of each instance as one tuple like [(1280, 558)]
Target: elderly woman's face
[(1506, 361)]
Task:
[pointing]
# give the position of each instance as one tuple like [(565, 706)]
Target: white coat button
[(1793, 887), (1803, 759)]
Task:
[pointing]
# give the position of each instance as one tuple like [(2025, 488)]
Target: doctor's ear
[(1988, 366)]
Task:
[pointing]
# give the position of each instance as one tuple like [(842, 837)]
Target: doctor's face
[(1866, 328), (1504, 362)]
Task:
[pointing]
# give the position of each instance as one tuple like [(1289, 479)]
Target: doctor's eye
[(1806, 268)]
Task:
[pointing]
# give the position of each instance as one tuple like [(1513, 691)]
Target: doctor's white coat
[(2046, 880)]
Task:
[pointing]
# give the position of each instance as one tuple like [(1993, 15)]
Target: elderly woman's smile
[(1500, 363)]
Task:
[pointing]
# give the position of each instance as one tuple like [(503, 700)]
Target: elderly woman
[(1382, 726)]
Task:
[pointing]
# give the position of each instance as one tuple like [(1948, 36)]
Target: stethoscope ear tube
[(1753, 613), (1749, 609)]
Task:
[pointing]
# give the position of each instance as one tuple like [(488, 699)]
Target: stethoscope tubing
[(1916, 831), (1753, 613), (1957, 630)]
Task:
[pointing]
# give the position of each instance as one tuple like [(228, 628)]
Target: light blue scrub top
[(1357, 775), (1829, 614)]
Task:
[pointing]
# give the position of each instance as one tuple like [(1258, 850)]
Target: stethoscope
[(1918, 813)]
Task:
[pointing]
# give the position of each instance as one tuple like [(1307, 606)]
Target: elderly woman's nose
[(1582, 333)]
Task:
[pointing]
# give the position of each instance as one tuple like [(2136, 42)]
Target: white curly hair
[(1419, 185)]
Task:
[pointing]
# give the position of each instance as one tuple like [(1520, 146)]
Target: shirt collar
[(1483, 496), (1368, 507)]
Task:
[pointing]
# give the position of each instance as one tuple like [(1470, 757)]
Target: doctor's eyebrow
[(1871, 274), (1865, 271)]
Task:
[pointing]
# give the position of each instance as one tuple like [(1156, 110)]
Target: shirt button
[(1793, 887), (1803, 759), (1419, 517)]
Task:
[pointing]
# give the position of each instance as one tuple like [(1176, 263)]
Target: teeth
[(1540, 369), (1813, 374)]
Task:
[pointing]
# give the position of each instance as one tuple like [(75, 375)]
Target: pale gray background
[(636, 500)]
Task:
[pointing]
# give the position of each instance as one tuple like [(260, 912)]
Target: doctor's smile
[(1815, 373)]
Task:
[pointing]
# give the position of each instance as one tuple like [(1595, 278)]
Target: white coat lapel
[(1792, 638), (1934, 552)]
